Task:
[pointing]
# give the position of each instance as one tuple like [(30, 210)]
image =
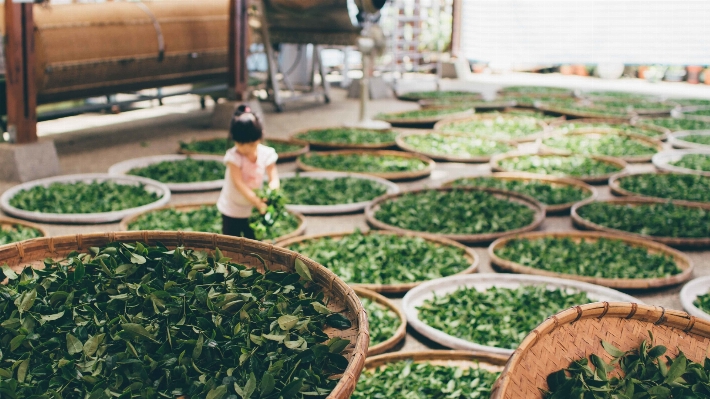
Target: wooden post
[(20, 73), (456, 28), (238, 50)]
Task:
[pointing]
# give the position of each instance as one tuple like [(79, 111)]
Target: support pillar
[(20, 73), (238, 75)]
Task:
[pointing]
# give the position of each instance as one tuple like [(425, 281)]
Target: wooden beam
[(238, 76), (456, 28), (20, 83)]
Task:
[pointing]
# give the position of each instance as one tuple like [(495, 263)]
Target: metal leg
[(326, 86), (271, 61)]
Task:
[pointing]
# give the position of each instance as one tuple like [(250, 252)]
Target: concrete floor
[(94, 150)]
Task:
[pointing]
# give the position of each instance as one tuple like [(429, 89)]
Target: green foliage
[(619, 95), (182, 171), (571, 126), (408, 380), (343, 135), (377, 258), (694, 162), (699, 112), (281, 147), (603, 257), (702, 302), (541, 116), (276, 219), (303, 190), (383, 321), (80, 197), (638, 373), (613, 145), (535, 90), (134, 321), (433, 95), (17, 232), (364, 163), (545, 192), (676, 124), (452, 145), (692, 102), (499, 317), (502, 127), (454, 212), (220, 146), (658, 220), (589, 110), (421, 114), (634, 105), (677, 186), (574, 166), (697, 139)]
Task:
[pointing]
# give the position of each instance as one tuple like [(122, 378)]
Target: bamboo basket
[(585, 224), (663, 161), (441, 125), (283, 156), (429, 121), (676, 140), (531, 203), (8, 223), (340, 297), (401, 143), (657, 145), (411, 97), (190, 152), (575, 113), (615, 187), (577, 333), (401, 332), (682, 260), (703, 118), (341, 146), (663, 133), (470, 254), (126, 222), (453, 358), (559, 181), (411, 175), (620, 163), (476, 105)]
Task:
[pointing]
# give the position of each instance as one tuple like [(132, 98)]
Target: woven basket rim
[(469, 253), (682, 260), (525, 176), (676, 141), (411, 175), (284, 156), (616, 189), (496, 159), (401, 331), (25, 252), (664, 133), (343, 146), (656, 144), (580, 114), (585, 224), (529, 202), (123, 168), (532, 137), (491, 359), (404, 97), (443, 157), (476, 104), (424, 120), (655, 315), (125, 222), (661, 160), (8, 221)]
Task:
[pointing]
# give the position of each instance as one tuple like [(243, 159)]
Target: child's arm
[(274, 182), (247, 192)]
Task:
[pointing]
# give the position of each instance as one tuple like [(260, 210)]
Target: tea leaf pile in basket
[(659, 220), (575, 165), (588, 110), (182, 171), (276, 219), (606, 258), (546, 192), (698, 112), (621, 127), (536, 90), (697, 139), (499, 317), (529, 100), (453, 145), (430, 95), (619, 95), (454, 212), (677, 186), (382, 320), (501, 127), (421, 114), (17, 232), (692, 102), (377, 258), (134, 321), (83, 197), (541, 116), (220, 146), (365, 163), (702, 302), (639, 373), (409, 380), (304, 190), (612, 145), (694, 162), (342, 135), (676, 124), (636, 105)]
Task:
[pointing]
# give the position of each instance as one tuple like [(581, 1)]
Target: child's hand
[(262, 207), (274, 184)]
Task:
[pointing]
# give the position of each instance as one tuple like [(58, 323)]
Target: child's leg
[(237, 227)]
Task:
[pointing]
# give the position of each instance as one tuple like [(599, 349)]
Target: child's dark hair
[(246, 126)]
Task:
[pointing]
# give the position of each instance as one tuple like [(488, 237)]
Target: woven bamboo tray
[(411, 97), (122, 168), (160, 189), (576, 113), (183, 151), (690, 292), (476, 105), (682, 260), (411, 175), (401, 143), (676, 139), (126, 222), (339, 296), (656, 144), (663, 160), (531, 203), (685, 115), (663, 133), (283, 156), (401, 331), (325, 145), (481, 282), (557, 181), (441, 125), (496, 159), (585, 224), (393, 120), (615, 187), (577, 333), (470, 254), (463, 359), (8, 223)]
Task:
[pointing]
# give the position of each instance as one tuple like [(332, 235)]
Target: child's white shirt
[(231, 202)]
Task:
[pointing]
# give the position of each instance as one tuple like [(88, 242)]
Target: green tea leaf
[(303, 270), (73, 344)]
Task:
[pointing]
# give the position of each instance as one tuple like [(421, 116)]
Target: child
[(246, 164)]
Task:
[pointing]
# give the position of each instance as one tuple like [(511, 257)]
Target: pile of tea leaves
[(182, 171), (676, 186), (694, 161), (703, 139), (495, 127), (546, 192), (573, 126), (303, 190), (342, 135), (219, 146), (442, 144), (676, 124), (17, 232), (363, 163), (424, 114), (613, 145), (382, 320), (574, 166)]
